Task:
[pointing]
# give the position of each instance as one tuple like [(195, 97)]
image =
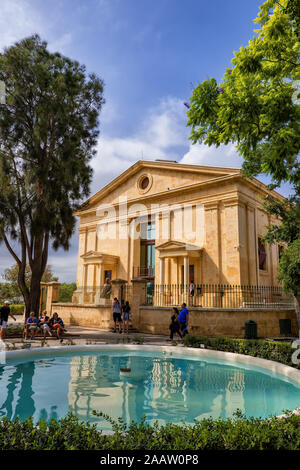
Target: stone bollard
[(52, 290)]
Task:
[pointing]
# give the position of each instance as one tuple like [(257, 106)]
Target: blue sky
[(150, 54)]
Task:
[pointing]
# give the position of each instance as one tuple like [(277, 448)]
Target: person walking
[(183, 319), (126, 316), (174, 326), (117, 314), (4, 314)]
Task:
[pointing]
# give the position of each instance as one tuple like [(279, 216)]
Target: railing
[(143, 271), (221, 296), (126, 293), (88, 294), (93, 295)]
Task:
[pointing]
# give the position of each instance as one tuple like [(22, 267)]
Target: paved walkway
[(88, 335)]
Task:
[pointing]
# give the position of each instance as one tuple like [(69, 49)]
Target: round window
[(144, 183)]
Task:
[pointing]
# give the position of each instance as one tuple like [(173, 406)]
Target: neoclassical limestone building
[(172, 223)]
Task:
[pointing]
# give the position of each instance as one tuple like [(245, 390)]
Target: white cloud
[(162, 134), (158, 136), (19, 19), (224, 155)]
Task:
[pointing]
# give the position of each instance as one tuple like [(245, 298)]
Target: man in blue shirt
[(31, 325), (183, 319)]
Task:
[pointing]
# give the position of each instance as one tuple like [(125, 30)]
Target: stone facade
[(206, 225)]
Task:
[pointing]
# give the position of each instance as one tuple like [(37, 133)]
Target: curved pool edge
[(275, 367)]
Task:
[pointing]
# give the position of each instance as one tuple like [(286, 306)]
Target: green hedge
[(237, 433), (17, 309), (272, 350)]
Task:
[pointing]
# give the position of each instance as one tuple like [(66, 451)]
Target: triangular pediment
[(163, 177), (91, 254), (174, 245), (171, 244), (96, 255)]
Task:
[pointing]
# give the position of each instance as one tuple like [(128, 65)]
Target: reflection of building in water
[(167, 394), (96, 384), (167, 389), (234, 395)]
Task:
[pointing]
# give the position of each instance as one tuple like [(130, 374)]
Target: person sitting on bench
[(31, 325), (57, 324), (43, 324)]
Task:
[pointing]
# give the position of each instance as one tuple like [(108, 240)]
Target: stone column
[(99, 285), (186, 276), (52, 295), (139, 292), (161, 271), (116, 288)]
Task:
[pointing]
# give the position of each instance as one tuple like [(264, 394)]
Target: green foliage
[(66, 292), (236, 433), (271, 350), (255, 106), (49, 129), (17, 309), (11, 276), (289, 268), (138, 339)]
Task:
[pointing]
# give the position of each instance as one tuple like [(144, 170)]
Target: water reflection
[(163, 388), (23, 399), (172, 389)]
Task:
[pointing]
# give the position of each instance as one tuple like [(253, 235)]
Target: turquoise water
[(167, 388)]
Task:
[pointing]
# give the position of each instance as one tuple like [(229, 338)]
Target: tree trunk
[(38, 267)]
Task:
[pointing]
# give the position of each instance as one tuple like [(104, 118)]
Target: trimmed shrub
[(271, 350), (236, 433)]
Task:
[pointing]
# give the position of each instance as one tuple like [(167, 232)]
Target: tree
[(256, 107), (11, 277), (48, 134), (66, 292), (289, 269)]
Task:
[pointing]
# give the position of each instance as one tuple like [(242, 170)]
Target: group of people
[(48, 326), (179, 322), (179, 319), (33, 324), (121, 315)]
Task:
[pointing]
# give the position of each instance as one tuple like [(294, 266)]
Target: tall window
[(262, 255), (147, 248)]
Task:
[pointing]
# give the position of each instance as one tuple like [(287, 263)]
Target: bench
[(40, 333)]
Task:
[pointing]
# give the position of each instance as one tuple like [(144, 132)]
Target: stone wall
[(99, 316), (217, 322)]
